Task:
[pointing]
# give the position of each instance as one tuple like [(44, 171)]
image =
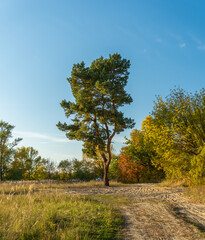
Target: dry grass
[(173, 183), (28, 212), (196, 194), (23, 187)]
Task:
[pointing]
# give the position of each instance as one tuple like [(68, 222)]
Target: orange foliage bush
[(130, 170)]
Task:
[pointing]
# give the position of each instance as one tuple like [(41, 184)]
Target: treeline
[(169, 145), (25, 163), (28, 165)]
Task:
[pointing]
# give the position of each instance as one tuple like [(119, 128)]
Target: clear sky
[(40, 40)]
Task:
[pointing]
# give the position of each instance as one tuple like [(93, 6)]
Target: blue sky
[(41, 40)]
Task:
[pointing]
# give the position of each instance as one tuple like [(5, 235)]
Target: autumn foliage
[(134, 163), (130, 170)]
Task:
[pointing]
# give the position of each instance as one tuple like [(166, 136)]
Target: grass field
[(44, 211)]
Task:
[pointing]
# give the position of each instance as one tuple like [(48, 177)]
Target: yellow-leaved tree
[(176, 131)]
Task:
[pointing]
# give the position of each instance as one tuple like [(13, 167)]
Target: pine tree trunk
[(106, 175)]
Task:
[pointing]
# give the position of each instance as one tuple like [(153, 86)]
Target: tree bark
[(106, 170), (106, 175)]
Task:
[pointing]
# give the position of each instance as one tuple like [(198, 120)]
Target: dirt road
[(156, 212)]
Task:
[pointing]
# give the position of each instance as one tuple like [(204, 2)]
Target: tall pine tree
[(99, 92)]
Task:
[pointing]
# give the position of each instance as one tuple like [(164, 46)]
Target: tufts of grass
[(114, 201), (196, 194), (56, 215), (16, 188), (173, 183)]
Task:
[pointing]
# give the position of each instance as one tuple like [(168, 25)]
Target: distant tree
[(32, 164), (16, 170), (40, 169), (76, 169), (50, 167), (83, 170), (79, 169), (99, 92), (7, 147), (65, 167)]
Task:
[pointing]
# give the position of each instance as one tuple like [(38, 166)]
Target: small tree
[(6, 147), (50, 168), (65, 168), (32, 164), (99, 93)]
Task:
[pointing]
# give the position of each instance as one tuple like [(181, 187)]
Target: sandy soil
[(156, 212)]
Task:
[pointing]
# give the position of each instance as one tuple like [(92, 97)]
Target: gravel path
[(156, 212)]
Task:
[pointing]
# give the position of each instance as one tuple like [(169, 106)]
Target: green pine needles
[(99, 92)]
